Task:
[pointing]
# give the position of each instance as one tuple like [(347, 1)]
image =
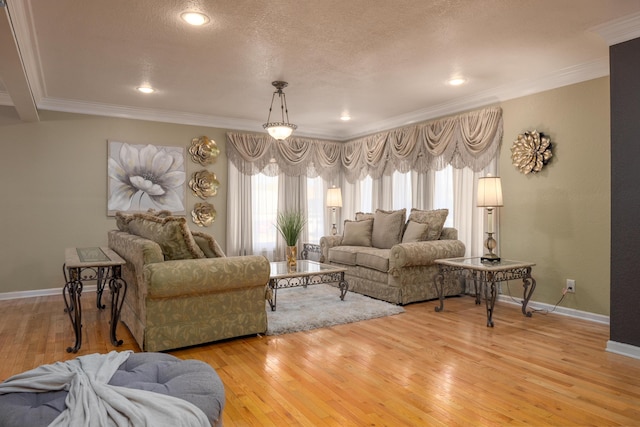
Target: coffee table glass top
[(303, 268)]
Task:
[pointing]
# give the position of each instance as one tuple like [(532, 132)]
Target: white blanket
[(92, 402)]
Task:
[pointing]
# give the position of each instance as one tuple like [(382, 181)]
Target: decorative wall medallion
[(203, 150), (531, 151), (203, 214), (204, 184)]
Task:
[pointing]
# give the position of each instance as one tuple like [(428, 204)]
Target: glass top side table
[(105, 267), (485, 276)]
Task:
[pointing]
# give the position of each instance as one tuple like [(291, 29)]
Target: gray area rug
[(317, 306)]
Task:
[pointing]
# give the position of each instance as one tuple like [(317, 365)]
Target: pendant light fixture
[(280, 130)]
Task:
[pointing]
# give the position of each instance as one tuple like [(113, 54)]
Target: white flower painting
[(143, 177)]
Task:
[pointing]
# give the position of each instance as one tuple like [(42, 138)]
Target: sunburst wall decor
[(531, 151)]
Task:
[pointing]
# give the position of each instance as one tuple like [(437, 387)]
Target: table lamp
[(334, 200), (490, 197)]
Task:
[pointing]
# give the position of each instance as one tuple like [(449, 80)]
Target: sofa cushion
[(434, 219), (171, 233), (364, 215), (415, 232), (357, 233), (344, 254), (377, 259), (207, 244), (387, 228)]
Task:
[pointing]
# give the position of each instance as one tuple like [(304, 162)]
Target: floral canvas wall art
[(143, 177)]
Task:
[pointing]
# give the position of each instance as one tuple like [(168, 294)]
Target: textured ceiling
[(385, 63)]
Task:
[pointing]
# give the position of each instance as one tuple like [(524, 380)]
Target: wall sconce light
[(283, 129), (334, 200), (490, 197)]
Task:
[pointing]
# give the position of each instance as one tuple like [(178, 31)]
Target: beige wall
[(560, 218), (53, 191), (53, 186)]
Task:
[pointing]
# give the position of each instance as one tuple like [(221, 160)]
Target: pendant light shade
[(280, 130)]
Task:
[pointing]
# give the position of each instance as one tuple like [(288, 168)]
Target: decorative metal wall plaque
[(204, 184), (203, 214), (531, 151), (203, 150)]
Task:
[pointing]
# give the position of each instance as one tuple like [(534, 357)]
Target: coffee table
[(486, 275), (305, 273)]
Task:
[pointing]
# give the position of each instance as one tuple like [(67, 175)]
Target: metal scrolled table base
[(105, 267), (304, 281), (485, 277)]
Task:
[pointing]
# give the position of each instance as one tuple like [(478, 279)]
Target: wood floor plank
[(416, 368)]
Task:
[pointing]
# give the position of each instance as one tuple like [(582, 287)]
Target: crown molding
[(619, 30)]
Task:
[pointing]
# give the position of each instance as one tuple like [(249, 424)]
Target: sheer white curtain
[(239, 208), (259, 198), (318, 219), (264, 211), (401, 191), (254, 232)]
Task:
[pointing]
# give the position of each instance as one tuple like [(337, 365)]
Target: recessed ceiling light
[(145, 89), (194, 18), (345, 117), (457, 81)]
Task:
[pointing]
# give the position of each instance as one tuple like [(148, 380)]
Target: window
[(264, 209), (443, 193), (401, 191), (366, 193), (397, 191), (315, 209)]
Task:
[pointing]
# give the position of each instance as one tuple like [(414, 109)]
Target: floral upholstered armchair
[(182, 289)]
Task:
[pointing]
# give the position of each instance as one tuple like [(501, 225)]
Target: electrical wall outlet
[(571, 285)]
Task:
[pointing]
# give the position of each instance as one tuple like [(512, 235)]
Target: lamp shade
[(334, 198), (489, 192)]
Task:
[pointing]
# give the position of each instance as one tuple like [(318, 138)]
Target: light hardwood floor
[(417, 368)]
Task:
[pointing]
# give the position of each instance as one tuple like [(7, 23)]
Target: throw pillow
[(414, 232), (122, 221), (171, 233), (357, 233), (434, 219), (362, 215), (160, 214), (208, 245), (387, 228)]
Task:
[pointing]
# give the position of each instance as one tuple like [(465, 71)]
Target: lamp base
[(334, 230), (490, 244), (490, 258)]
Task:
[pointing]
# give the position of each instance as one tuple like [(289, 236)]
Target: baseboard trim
[(623, 349), (40, 293), (571, 312)]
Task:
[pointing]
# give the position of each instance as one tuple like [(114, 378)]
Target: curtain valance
[(466, 140)]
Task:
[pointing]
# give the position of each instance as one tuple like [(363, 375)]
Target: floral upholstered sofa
[(391, 260), (182, 289)]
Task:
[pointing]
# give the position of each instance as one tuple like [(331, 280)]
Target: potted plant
[(290, 224)]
